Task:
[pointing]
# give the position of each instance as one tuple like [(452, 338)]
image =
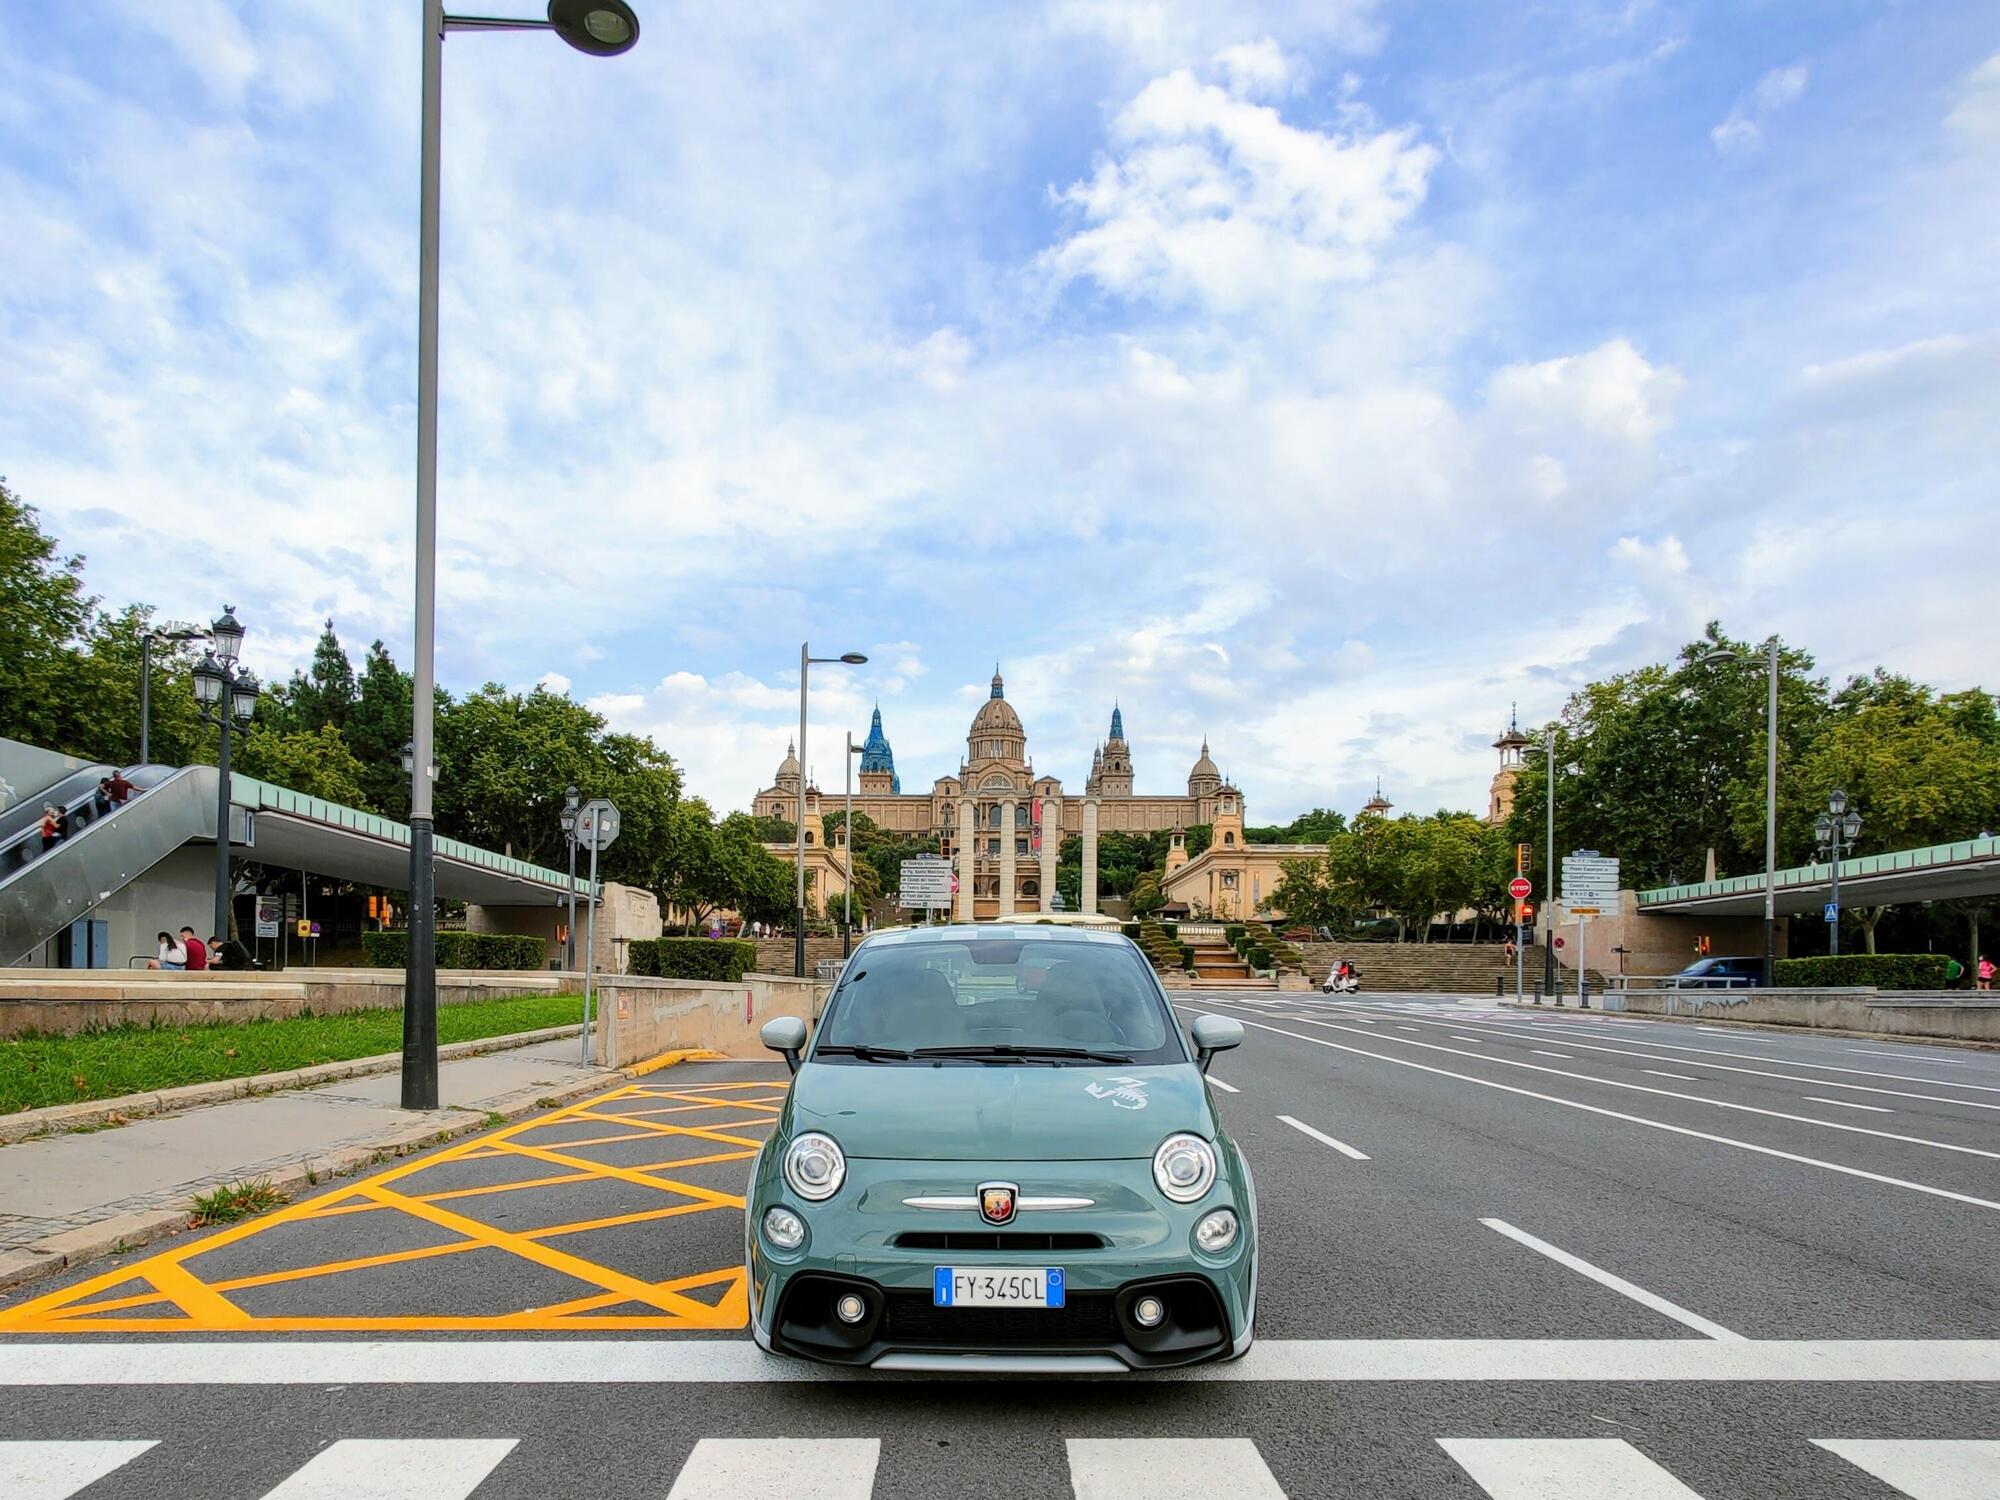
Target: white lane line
[(806, 1468), (1618, 1284), (1850, 1104), (1324, 1139), (395, 1469), (1683, 1077), (1564, 1469), (1924, 1059), (57, 1470), (1169, 1469), (1925, 1469), (1646, 1088), (1227, 1088), (1566, 1057), (1614, 1114), (1406, 1028), (1456, 1037), (565, 1361)]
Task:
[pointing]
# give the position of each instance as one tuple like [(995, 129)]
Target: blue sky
[(1321, 377)]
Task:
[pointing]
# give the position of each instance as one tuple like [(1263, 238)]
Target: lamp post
[(602, 28), (227, 696), (572, 800), (1547, 750), (147, 636), (807, 661), (847, 852), (1717, 658), (1835, 828)]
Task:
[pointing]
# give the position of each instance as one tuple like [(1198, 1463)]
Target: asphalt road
[(1504, 1254)]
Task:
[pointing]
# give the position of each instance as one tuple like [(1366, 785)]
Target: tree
[(44, 613), (325, 694), (314, 761), (377, 728), (1146, 897)]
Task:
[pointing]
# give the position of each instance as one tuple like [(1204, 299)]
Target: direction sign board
[(1589, 879), (1520, 888), (596, 824), (926, 882)]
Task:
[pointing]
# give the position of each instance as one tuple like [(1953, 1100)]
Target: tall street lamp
[(227, 695), (572, 800), (602, 28), (1835, 828), (1547, 750), (176, 634), (807, 661), (1718, 657), (847, 852)]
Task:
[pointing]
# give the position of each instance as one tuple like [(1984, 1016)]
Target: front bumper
[(1129, 1242)]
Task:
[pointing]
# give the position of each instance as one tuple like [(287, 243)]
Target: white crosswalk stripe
[(1169, 1469), (1564, 1469), (797, 1468), (1940, 1469), (55, 1471), (396, 1469)]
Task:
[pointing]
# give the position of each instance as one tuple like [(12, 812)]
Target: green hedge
[(1232, 933), (727, 959), (1171, 929), (1130, 929), (459, 950), (1258, 956), (1885, 971)]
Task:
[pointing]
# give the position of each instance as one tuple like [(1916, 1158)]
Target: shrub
[(726, 959), (1130, 929), (1171, 929), (459, 950), (1885, 971), (1232, 933), (1187, 955), (1258, 956)]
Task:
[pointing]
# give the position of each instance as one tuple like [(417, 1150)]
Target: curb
[(1773, 1026), (28, 1123), (130, 1231)]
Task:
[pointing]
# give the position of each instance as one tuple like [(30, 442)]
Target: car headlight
[(814, 1166), (783, 1229), (1216, 1232), (1184, 1167)]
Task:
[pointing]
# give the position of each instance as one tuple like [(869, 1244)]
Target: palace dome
[(996, 715), (1205, 766)]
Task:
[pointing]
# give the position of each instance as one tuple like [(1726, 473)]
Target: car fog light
[(783, 1229), (1216, 1232), (850, 1308), (1149, 1312)]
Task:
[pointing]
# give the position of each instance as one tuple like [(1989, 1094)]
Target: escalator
[(42, 893), (75, 789)]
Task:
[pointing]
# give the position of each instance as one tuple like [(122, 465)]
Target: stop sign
[(1520, 888)]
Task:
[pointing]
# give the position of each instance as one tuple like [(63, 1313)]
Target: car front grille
[(1088, 1318), (1020, 1240)]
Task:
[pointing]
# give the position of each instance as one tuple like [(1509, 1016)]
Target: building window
[(1020, 846), (993, 816), (1021, 815), (1031, 888), (993, 846), (1228, 838)]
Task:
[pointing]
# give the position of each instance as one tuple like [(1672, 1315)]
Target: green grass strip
[(37, 1071)]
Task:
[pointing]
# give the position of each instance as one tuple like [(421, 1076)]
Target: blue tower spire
[(1117, 722), (876, 754)]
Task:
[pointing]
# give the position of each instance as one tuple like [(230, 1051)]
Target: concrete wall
[(640, 1018), (1660, 942), (1893, 1013), (179, 889), (65, 1001), (625, 914)]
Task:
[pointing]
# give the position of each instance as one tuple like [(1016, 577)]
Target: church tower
[(878, 762), (1378, 805), (1500, 797), (1115, 779)]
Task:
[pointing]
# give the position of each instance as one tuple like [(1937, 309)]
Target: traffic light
[(1522, 852), (1527, 912)]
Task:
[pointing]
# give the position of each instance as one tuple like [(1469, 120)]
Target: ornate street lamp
[(807, 661), (1835, 828), (572, 801), (227, 698)]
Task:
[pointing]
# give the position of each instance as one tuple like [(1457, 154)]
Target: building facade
[(1000, 820)]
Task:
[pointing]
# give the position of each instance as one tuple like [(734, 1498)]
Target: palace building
[(1002, 820)]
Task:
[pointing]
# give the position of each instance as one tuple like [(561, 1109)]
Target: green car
[(1000, 1154)]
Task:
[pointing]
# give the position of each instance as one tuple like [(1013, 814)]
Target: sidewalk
[(69, 1198)]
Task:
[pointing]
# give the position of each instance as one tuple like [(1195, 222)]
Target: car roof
[(958, 932)]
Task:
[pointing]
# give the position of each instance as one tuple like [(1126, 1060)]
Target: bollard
[(1497, 991)]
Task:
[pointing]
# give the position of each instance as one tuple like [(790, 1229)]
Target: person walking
[(118, 788), (1509, 950), (196, 950), (51, 827), (172, 954), (1985, 972)]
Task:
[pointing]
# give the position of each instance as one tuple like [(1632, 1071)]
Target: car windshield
[(1703, 966), (989, 1000)]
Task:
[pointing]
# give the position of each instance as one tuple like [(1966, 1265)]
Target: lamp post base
[(420, 1059), (799, 943)]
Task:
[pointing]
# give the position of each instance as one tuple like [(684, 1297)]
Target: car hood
[(1016, 1112)]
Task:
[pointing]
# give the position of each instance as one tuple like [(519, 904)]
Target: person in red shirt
[(118, 788), (197, 953)]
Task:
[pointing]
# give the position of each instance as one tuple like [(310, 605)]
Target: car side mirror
[(1213, 1034), (786, 1034)]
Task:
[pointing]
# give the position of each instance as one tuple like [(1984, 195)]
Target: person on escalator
[(54, 827), (118, 788)]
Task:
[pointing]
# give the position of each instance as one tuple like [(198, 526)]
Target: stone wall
[(774, 955), (626, 913), (640, 1018), (62, 1002), (1919, 1013)]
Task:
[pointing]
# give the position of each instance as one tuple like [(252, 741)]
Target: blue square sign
[(1832, 912)]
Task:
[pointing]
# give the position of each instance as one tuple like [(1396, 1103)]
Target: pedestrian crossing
[(1518, 1468)]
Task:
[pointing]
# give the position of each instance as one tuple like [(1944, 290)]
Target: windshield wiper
[(1008, 1049), (862, 1051)]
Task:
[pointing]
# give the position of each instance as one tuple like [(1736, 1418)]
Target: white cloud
[(1611, 392), (1215, 198), (1259, 70), (553, 682), (1742, 128), (1976, 114)]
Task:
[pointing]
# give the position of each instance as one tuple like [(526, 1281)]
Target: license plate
[(997, 1286)]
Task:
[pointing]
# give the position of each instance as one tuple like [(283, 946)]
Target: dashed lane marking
[(1939, 1469), (1540, 1052), (1682, 1077), (679, 1129), (1227, 1088), (1324, 1139), (1849, 1104), (1563, 1469), (1617, 1284), (1169, 1469)]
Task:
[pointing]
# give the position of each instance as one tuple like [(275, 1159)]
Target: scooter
[(1342, 984)]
